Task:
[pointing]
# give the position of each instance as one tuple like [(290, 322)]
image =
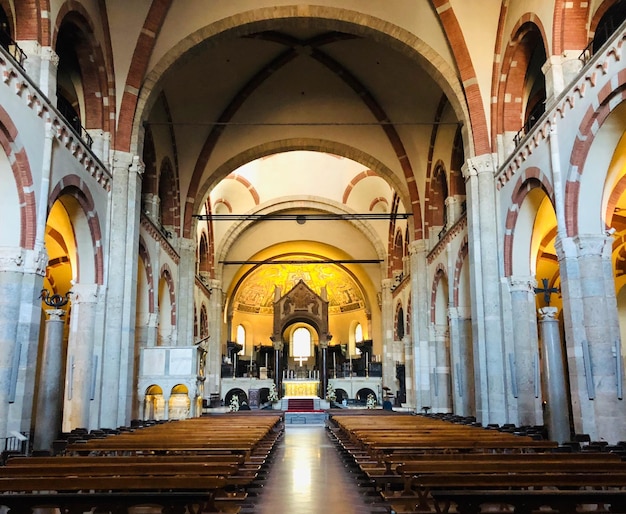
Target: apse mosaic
[(257, 293)]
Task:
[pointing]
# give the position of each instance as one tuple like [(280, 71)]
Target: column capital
[(417, 246), (477, 165), (137, 165), (386, 284), (523, 284), (187, 244), (585, 245), (55, 314), (84, 293), (547, 313)]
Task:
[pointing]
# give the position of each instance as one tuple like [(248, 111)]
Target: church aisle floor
[(307, 476)]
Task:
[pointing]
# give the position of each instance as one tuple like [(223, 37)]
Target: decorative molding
[(565, 103), (154, 232), (455, 230), (34, 99)]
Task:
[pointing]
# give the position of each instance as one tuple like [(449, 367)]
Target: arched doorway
[(154, 403)]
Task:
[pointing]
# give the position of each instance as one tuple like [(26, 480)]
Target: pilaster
[(462, 360), (185, 297), (485, 286), (389, 374), (440, 350), (419, 323)]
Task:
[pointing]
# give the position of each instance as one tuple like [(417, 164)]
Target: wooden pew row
[(114, 494), (424, 496)]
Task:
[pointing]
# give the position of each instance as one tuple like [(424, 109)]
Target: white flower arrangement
[(371, 402), (234, 404), (273, 394), (331, 395)]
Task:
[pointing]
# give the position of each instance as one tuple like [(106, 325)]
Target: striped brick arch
[(166, 274), (20, 167), (458, 266), (440, 273), (607, 100), (147, 264), (73, 185), (526, 36), (93, 71), (530, 179)]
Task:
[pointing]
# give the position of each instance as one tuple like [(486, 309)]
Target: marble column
[(420, 323), (324, 366), (185, 297), (50, 393), (485, 287), (462, 360), (556, 414), (409, 381), (592, 335), (278, 372), (523, 360), (82, 364), (440, 363), (214, 353), (387, 316), (115, 349)]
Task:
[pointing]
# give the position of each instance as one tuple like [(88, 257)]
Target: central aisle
[(309, 477)]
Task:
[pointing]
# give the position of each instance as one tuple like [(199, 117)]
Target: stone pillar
[(114, 365), (50, 394), (21, 280), (41, 66), (485, 288), (214, 354), (324, 366), (557, 408), (523, 361), (462, 361), (387, 316), (420, 323), (559, 71), (278, 372), (409, 366), (592, 335), (81, 362), (185, 297), (441, 369)]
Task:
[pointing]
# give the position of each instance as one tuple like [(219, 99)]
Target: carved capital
[(547, 313), (417, 247), (522, 284), (55, 314), (477, 165)]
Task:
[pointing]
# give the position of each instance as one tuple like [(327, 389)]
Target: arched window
[(301, 342), (241, 339), (358, 337)]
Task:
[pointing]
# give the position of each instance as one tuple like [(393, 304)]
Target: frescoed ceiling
[(256, 293)]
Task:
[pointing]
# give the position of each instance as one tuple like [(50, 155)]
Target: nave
[(308, 476)]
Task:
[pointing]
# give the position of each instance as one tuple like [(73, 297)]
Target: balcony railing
[(7, 42)]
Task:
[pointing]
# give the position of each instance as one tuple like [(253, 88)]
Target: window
[(301, 344), (241, 339), (358, 337)]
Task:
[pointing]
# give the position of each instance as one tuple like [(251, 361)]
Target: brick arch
[(399, 323), (391, 243), (532, 178), (397, 252), (458, 266), (512, 73), (407, 322), (569, 27), (456, 39), (597, 16), (203, 253), (436, 194), (166, 274), (93, 69), (20, 167), (361, 176), (440, 272), (248, 185), (73, 185), (376, 201), (597, 113), (149, 183), (169, 195), (144, 255)]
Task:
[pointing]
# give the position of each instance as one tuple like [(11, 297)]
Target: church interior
[(415, 207)]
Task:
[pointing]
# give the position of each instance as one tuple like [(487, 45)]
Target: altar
[(301, 388)]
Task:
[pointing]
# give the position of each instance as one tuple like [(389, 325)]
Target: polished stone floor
[(308, 476)]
